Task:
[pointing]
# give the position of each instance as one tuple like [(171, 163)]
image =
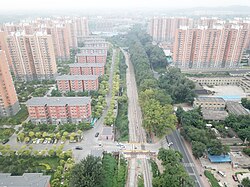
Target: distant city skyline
[(96, 4)]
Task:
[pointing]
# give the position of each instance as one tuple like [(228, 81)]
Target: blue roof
[(219, 158), (231, 97)]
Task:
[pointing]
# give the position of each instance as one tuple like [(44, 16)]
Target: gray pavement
[(188, 163)]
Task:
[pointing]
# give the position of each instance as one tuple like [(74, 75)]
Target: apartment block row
[(203, 42), (216, 47), (64, 30), (59, 110), (32, 47), (77, 83)]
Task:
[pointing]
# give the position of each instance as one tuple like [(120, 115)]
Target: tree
[(198, 149), (55, 93), (158, 119), (246, 182), (174, 173), (87, 173), (31, 134), (20, 136)]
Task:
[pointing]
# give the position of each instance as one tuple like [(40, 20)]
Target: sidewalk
[(197, 164)]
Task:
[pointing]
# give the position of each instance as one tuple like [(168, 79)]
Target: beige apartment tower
[(9, 104), (203, 47), (32, 56)]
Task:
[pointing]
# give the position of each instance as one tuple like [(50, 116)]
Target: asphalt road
[(179, 145)]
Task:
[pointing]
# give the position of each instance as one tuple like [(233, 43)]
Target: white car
[(170, 143), (45, 142)]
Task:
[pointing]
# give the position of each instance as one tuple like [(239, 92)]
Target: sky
[(97, 4)]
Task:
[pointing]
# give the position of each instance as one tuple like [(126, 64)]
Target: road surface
[(188, 163)]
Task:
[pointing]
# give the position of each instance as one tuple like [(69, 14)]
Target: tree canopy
[(174, 174)]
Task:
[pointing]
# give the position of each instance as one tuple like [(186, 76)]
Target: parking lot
[(225, 168)]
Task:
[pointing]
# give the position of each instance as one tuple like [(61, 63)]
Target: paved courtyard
[(231, 92)]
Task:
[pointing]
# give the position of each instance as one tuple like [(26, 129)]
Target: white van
[(221, 173)]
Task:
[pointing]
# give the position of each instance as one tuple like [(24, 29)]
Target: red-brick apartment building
[(91, 58), (59, 110), (87, 69), (77, 83)]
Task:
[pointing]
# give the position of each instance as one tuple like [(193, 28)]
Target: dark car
[(97, 134), (234, 178), (5, 141), (78, 148)]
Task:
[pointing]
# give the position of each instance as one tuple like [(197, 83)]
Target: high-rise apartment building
[(204, 47), (9, 104), (4, 47), (32, 56), (163, 29), (61, 41)]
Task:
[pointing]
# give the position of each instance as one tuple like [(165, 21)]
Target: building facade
[(77, 83), (204, 47), (87, 69), (243, 82), (32, 56), (59, 110), (93, 50), (91, 58), (162, 29), (210, 103), (9, 104)]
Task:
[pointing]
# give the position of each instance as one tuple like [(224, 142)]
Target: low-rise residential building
[(91, 58), (214, 115), (236, 108), (93, 50), (96, 44), (26, 180), (107, 134), (243, 82), (59, 110), (77, 83), (211, 103), (87, 69)]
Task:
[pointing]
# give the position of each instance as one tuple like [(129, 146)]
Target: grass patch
[(17, 165), (213, 181)]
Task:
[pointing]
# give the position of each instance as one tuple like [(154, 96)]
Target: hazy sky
[(85, 4)]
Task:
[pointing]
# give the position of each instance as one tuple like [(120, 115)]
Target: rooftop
[(214, 115), (107, 131), (58, 101), (236, 108), (219, 158), (209, 99), (92, 54), (93, 48), (26, 180), (77, 77), (86, 65)]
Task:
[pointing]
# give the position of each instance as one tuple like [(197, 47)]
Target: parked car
[(234, 178), (45, 141), (55, 142), (5, 141), (97, 134), (170, 143), (78, 148)]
